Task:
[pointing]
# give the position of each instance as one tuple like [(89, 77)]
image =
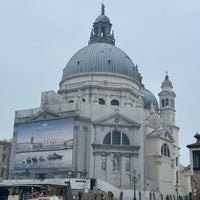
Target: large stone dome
[(101, 58)]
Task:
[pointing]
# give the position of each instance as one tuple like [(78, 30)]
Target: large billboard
[(45, 144)]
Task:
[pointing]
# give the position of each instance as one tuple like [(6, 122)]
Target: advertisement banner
[(45, 144)]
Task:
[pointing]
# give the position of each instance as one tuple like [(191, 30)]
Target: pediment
[(164, 133), (116, 119), (44, 114)]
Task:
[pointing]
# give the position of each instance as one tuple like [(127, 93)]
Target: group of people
[(110, 196)]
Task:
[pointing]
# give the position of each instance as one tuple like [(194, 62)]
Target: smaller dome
[(166, 82), (149, 99), (102, 18)]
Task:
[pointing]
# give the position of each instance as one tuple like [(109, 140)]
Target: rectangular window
[(196, 159), (3, 158), (41, 176), (176, 161), (177, 177), (4, 148), (3, 173)]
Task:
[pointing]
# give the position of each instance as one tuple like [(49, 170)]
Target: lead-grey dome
[(101, 55), (149, 99), (166, 82), (102, 18), (101, 58)]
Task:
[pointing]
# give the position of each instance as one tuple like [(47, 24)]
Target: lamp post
[(135, 180), (134, 183)]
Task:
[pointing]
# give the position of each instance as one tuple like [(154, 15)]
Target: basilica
[(102, 124)]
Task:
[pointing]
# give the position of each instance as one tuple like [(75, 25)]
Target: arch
[(101, 101), (165, 150), (125, 140), (114, 102), (107, 139), (70, 101), (116, 138)]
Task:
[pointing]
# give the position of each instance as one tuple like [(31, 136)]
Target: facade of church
[(101, 124)]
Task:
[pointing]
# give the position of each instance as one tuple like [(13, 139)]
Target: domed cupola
[(166, 82), (102, 17), (101, 56), (101, 31), (149, 99)]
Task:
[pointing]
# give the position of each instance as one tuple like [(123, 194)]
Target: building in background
[(5, 149), (195, 167), (185, 181), (103, 123)]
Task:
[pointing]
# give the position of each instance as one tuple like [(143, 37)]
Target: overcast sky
[(37, 38)]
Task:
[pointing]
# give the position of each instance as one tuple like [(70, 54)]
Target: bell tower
[(167, 114), (167, 102)]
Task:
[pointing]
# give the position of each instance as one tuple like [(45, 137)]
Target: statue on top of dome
[(102, 9)]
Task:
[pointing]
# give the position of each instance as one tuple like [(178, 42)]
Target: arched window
[(177, 178), (125, 140), (154, 196), (101, 101), (150, 196), (116, 138), (114, 102), (166, 102), (172, 103), (163, 102), (165, 150), (70, 101), (107, 139)]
